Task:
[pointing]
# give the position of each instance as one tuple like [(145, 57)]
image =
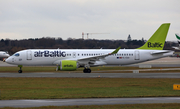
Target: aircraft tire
[(19, 71), (87, 70), (84, 71)]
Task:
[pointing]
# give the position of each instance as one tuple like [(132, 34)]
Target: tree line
[(13, 46)]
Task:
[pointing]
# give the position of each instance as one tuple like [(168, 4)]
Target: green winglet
[(157, 40), (115, 51)]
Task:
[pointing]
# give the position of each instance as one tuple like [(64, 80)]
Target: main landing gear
[(87, 70), (20, 71)]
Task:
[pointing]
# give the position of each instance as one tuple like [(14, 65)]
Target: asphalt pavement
[(87, 101)]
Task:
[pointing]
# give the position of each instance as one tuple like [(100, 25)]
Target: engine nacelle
[(68, 65)]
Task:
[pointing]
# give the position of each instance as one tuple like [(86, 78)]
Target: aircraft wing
[(92, 59)]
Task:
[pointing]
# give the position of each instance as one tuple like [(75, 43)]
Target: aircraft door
[(74, 54), (29, 55), (136, 55)]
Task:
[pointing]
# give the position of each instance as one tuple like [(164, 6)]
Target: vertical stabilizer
[(177, 36), (157, 40)]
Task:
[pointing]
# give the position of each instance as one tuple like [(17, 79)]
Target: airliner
[(4, 54), (178, 37), (71, 59)]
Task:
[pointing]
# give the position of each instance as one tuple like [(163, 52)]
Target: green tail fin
[(177, 36), (157, 40)]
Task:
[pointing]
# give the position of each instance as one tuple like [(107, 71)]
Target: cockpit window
[(17, 54)]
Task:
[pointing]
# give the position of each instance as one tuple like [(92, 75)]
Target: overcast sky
[(23, 19)]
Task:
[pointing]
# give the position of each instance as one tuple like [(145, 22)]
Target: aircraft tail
[(177, 36), (157, 40)]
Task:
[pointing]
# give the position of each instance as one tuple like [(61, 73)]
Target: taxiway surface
[(93, 75), (89, 101)]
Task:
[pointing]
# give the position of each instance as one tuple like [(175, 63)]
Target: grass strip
[(54, 88), (118, 106)]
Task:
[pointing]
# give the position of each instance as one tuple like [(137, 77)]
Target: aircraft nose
[(7, 60), (7, 55)]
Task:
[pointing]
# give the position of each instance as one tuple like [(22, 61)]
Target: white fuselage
[(53, 56)]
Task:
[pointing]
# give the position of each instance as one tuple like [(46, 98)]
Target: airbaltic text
[(156, 44), (49, 53)]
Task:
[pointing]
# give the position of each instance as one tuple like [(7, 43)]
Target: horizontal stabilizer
[(160, 52), (177, 48)]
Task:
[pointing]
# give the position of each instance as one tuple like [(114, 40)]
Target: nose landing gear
[(20, 71)]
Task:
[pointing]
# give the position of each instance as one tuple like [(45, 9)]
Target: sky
[(116, 19)]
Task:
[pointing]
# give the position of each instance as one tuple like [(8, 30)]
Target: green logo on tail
[(154, 45)]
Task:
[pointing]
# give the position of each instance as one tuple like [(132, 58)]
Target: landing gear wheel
[(20, 71), (87, 70)]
